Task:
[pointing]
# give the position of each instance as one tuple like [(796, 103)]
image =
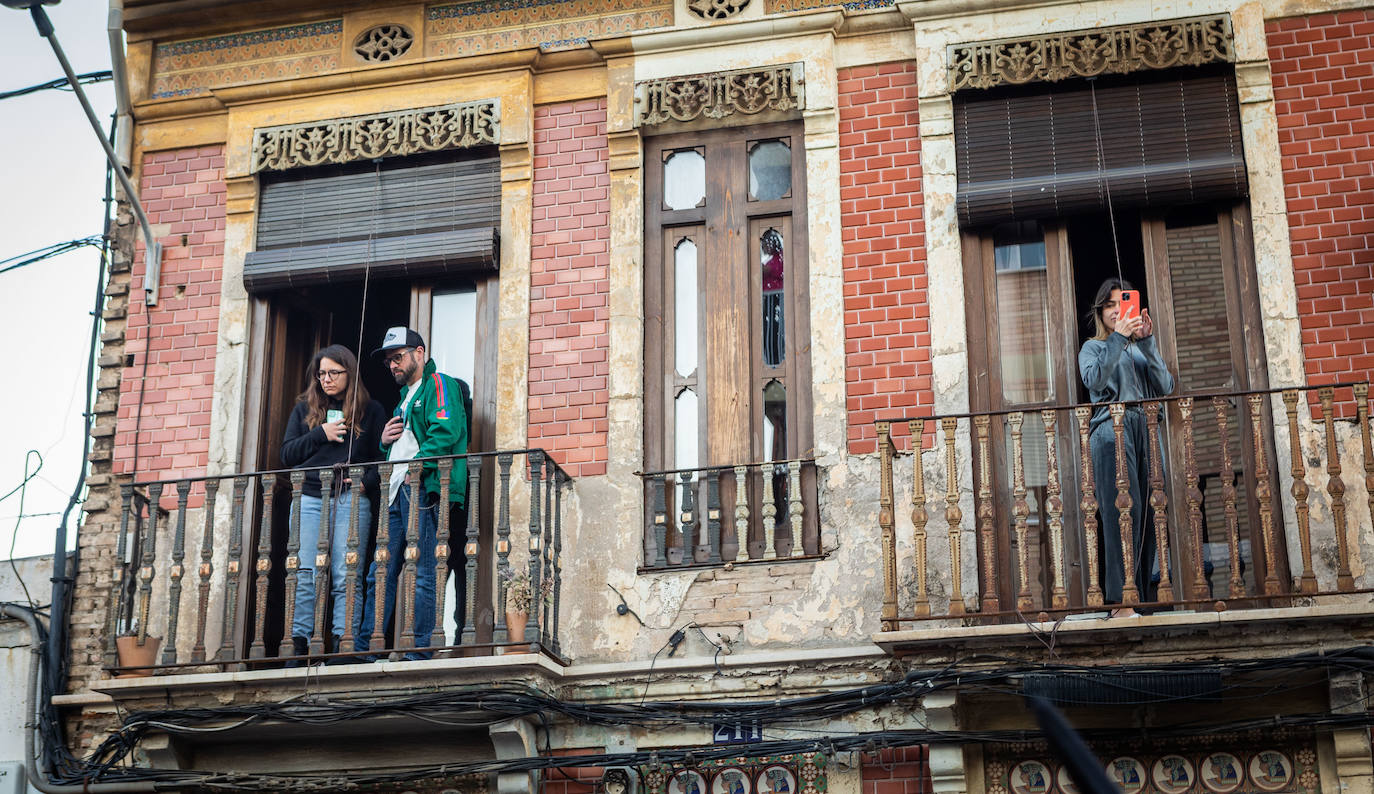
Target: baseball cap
[(398, 337)]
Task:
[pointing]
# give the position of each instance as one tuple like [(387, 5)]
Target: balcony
[(231, 612), (1232, 545)]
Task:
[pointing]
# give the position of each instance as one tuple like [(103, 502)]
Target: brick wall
[(897, 770), (183, 194), (569, 286), (886, 318), (1323, 92)]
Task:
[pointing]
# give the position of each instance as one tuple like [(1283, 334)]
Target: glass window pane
[(685, 430), (685, 307), (771, 255), (774, 421), (684, 180), (770, 171), (453, 326), (1023, 317)]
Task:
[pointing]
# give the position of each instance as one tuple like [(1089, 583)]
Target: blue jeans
[(424, 573), (303, 623)]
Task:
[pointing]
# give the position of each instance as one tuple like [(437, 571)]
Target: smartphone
[(1130, 304), (333, 415)]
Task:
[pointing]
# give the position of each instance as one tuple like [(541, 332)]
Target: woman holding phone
[(335, 423), (1121, 362)]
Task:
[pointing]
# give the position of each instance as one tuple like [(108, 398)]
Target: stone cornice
[(402, 132), (1087, 53)]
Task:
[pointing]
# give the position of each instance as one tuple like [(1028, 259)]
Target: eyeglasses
[(396, 358), (331, 374)]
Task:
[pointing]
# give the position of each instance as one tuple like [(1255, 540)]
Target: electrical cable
[(48, 252), (60, 83), (23, 488)]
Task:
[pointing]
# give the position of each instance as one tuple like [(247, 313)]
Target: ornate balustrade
[(716, 515), (239, 595), (1225, 535)]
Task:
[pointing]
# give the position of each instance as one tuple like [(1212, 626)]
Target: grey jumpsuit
[(1115, 369)]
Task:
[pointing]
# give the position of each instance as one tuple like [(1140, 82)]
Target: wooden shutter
[(1168, 139), (412, 217)]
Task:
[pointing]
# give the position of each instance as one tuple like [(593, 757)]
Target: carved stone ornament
[(1087, 53), (383, 43), (719, 94), (459, 126), (716, 9)]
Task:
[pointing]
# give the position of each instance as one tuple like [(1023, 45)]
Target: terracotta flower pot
[(515, 624), (138, 657)]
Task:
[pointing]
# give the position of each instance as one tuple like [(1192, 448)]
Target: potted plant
[(519, 599)]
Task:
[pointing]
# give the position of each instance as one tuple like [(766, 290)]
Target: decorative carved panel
[(458, 126), (1086, 53), (383, 43), (716, 9), (719, 94)]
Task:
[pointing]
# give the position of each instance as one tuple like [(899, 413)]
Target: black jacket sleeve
[(300, 441)]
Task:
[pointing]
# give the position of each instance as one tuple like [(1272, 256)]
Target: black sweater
[(305, 446)]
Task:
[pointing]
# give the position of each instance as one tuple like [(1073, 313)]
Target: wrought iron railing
[(1023, 534), (713, 515), (246, 577)]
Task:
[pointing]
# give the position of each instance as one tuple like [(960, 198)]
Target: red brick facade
[(1323, 71), (886, 316), (569, 286), (897, 770), (183, 193)]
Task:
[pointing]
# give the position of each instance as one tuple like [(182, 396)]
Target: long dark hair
[(1104, 294), (355, 394)]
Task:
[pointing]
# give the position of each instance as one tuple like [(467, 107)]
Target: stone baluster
[(1159, 503), (148, 561), (532, 627), (741, 513), (1307, 581), (794, 507), (324, 542), (1130, 594), (1362, 412), (1264, 494), (1020, 511), (233, 570), (1054, 509), (206, 569), (262, 571), (1228, 497), (472, 546), (175, 574), (770, 513), (115, 603), (917, 428), (500, 633), (954, 517), (986, 515), (886, 527), (1087, 502), (713, 538), (1200, 590), (351, 558), (441, 541), (381, 559), (405, 591), (1345, 582)]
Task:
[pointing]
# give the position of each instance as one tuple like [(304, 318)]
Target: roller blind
[(412, 217), (1167, 139)]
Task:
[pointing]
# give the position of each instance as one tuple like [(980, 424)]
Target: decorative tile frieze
[(474, 27), (783, 6), (1087, 53), (195, 66), (433, 129), (719, 94)]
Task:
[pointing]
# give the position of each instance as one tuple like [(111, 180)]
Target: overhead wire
[(59, 83)]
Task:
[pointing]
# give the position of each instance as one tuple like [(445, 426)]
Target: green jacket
[(440, 424)]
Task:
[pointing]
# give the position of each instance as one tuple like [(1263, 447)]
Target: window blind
[(412, 217), (1032, 154)]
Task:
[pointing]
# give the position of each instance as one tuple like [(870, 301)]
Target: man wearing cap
[(428, 422)]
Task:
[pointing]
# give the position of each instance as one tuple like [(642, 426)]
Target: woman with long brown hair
[(335, 423), (1121, 362)]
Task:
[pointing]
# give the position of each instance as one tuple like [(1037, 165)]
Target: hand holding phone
[(334, 427), (1130, 305)]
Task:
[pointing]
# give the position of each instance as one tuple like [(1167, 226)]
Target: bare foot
[(1124, 612)]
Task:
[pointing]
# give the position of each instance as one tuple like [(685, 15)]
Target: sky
[(52, 182)]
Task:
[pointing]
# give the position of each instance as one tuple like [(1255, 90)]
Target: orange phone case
[(1130, 304)]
